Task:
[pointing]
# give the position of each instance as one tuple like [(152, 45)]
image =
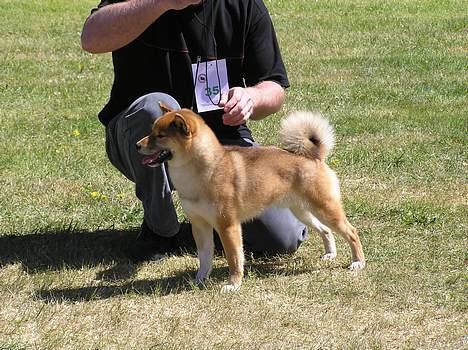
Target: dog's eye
[(160, 136)]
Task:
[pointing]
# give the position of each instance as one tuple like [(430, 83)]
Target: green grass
[(390, 75)]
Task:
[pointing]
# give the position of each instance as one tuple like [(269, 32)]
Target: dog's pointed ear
[(164, 108), (180, 124)]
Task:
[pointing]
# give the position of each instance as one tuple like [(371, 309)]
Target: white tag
[(210, 80)]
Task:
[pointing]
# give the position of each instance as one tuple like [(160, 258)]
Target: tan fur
[(221, 187)]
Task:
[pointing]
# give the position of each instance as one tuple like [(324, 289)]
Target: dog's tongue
[(150, 159)]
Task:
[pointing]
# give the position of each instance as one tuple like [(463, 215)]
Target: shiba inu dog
[(222, 186)]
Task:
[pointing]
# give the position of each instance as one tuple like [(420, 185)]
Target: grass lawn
[(392, 78)]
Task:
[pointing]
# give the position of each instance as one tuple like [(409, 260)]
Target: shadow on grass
[(51, 251), (179, 283), (161, 287)]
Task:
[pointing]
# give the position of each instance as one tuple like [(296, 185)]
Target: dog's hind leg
[(231, 239), (325, 233), (203, 235), (331, 213), (349, 232)]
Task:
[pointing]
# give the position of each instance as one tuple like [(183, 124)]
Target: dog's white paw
[(356, 265), (230, 288), (328, 256)]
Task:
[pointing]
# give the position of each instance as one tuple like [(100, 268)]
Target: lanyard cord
[(207, 30)]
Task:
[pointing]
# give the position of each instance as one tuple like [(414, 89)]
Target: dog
[(221, 187)]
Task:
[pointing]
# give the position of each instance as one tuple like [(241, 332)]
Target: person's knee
[(150, 104), (276, 231), (285, 242)]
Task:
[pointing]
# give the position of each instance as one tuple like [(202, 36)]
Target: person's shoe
[(150, 246)]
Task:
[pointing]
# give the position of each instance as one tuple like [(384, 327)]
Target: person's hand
[(238, 106), (181, 4)]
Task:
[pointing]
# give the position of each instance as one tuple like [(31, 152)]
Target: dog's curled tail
[(308, 134)]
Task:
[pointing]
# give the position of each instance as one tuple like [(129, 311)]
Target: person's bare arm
[(116, 25), (255, 102)]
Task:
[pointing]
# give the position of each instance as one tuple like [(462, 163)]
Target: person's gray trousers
[(275, 231)]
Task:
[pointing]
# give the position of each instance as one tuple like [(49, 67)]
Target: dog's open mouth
[(156, 159)]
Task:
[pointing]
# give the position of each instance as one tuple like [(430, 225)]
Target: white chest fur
[(193, 194)]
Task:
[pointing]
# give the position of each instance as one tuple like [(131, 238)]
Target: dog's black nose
[(138, 146)]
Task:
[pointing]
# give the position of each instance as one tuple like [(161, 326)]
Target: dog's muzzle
[(156, 159)]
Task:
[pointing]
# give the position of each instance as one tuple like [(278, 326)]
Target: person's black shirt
[(160, 60)]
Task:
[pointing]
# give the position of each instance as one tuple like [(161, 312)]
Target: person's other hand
[(237, 105)]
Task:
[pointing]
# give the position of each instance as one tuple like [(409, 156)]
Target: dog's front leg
[(231, 238), (203, 235)]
